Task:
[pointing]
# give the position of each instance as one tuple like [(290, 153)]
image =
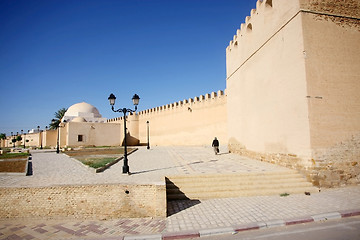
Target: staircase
[(236, 185)]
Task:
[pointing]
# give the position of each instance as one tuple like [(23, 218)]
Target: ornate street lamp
[(135, 100), (148, 135)]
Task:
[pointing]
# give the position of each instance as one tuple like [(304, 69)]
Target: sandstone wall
[(266, 83), (331, 43), (85, 202), (49, 138), (195, 121), (293, 70), (94, 134)]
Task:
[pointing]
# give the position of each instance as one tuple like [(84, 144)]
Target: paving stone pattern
[(184, 216)]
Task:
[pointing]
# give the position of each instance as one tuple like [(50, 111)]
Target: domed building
[(83, 125), (83, 112)]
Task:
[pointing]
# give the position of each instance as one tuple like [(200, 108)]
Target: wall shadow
[(176, 206), (177, 201)]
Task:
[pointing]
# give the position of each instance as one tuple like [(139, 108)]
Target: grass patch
[(98, 162), (284, 194), (97, 157), (96, 151)]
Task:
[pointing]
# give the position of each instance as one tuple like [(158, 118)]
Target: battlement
[(184, 104), (214, 96), (270, 16), (262, 23)]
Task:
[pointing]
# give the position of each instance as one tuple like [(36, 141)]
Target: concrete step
[(235, 185), (230, 187), (207, 177), (222, 182), (244, 193)]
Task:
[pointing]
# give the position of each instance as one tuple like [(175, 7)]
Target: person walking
[(215, 145)]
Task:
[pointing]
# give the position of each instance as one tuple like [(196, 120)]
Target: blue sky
[(54, 54)]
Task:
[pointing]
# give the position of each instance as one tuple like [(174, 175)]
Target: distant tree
[(18, 138), (2, 136), (58, 116)]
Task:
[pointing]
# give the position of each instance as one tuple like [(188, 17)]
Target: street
[(344, 229)]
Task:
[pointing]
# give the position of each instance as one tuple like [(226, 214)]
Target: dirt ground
[(10, 165)]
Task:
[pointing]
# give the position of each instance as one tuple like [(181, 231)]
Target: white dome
[(82, 107), (86, 111)]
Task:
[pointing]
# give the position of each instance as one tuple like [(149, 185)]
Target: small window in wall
[(80, 138)]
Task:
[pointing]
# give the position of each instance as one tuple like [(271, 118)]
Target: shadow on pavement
[(177, 206), (158, 169)]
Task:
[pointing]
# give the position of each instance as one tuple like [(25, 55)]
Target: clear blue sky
[(55, 53)]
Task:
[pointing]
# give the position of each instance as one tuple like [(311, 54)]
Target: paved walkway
[(146, 166), (186, 218)]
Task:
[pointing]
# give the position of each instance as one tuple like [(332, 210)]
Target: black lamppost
[(53, 121), (135, 100), (38, 127), (22, 132), (13, 139), (148, 138)]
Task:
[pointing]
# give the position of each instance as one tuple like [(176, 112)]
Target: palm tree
[(2, 137), (58, 116)]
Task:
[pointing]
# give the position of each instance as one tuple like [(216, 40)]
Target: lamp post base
[(126, 170)]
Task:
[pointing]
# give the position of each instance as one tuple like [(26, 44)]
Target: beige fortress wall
[(6, 142), (34, 140), (132, 126), (49, 138), (266, 83), (63, 135), (94, 134), (293, 73), (332, 46), (193, 122)]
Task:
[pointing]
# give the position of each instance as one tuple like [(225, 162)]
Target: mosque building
[(83, 125)]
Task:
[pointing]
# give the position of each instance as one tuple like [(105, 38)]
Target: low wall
[(85, 201)]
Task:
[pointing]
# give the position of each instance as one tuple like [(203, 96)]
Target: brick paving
[(185, 217)]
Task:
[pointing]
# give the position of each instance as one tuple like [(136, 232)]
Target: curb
[(247, 226)]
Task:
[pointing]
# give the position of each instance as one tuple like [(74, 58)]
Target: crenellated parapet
[(119, 119), (271, 16), (257, 29), (211, 98), (208, 99)]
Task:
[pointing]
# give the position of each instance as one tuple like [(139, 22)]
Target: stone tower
[(293, 83)]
